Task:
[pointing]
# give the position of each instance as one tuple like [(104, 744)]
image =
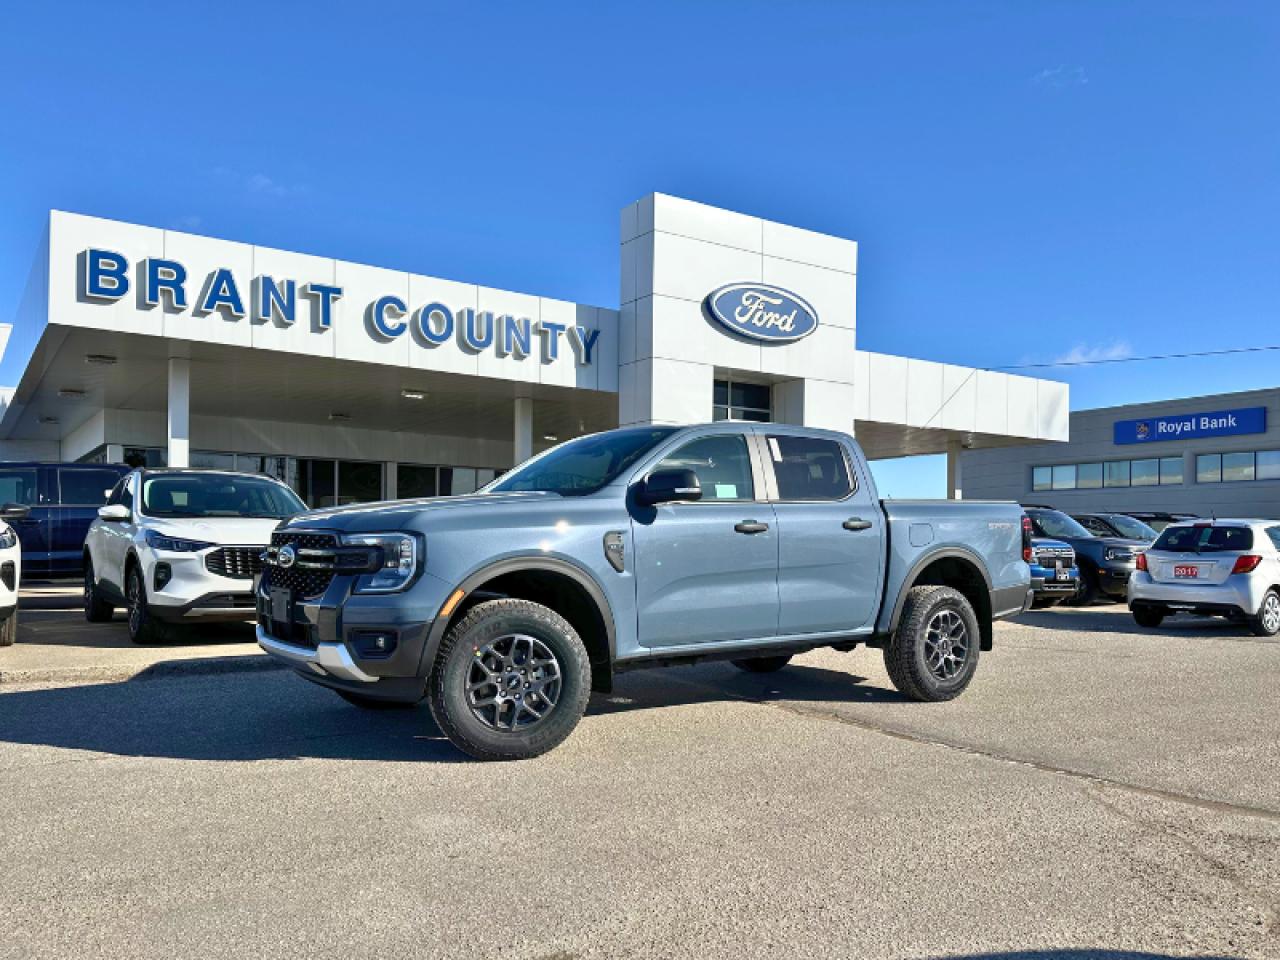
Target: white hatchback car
[(181, 545), (1220, 568), (10, 572)]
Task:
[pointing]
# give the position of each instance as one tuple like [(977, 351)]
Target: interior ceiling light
[(103, 358), (410, 394), (48, 419), (339, 416), (550, 437), (67, 393)]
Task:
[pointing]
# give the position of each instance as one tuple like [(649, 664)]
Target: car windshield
[(217, 495), (584, 465), (1204, 539), (1053, 523), (1131, 528)]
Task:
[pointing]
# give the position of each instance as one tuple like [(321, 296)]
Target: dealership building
[(1211, 456), (353, 382)]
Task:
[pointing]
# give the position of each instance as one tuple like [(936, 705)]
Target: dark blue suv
[(64, 499)]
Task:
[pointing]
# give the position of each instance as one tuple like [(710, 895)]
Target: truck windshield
[(1052, 523), (1131, 528), (217, 495), (584, 465)]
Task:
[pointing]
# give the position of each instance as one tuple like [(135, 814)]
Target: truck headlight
[(400, 555), (158, 541), (8, 538)]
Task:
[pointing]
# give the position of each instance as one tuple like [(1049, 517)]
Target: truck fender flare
[(514, 565), (946, 553)]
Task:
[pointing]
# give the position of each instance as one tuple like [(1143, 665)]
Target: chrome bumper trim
[(327, 658)]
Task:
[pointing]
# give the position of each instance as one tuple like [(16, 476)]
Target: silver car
[(1219, 568)]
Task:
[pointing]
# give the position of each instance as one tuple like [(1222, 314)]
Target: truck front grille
[(305, 579), (238, 563)]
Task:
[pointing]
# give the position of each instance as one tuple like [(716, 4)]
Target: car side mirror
[(14, 511), (114, 511), (668, 486)]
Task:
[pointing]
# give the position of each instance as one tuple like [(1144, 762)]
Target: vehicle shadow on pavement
[(1119, 620), (273, 715)]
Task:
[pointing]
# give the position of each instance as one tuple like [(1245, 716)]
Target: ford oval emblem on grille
[(287, 556), (762, 312)]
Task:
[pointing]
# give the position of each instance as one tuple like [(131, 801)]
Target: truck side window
[(721, 462), (18, 486), (87, 488), (809, 468)]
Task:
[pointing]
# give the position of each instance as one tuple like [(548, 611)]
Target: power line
[(1154, 356)]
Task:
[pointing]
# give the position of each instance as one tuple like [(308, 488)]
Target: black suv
[(1105, 562), (1120, 525)]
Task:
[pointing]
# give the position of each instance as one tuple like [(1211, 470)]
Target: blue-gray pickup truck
[(639, 547)]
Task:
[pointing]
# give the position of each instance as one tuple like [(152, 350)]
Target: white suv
[(10, 572), (173, 545), (1220, 568)]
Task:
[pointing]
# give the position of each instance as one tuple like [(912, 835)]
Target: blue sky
[(1028, 180)]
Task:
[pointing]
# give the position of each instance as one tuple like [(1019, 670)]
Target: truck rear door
[(830, 535), (78, 493)]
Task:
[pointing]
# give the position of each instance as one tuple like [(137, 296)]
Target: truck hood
[(399, 514), (238, 531)]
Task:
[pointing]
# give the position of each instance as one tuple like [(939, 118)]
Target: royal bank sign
[(105, 277), (1188, 426)]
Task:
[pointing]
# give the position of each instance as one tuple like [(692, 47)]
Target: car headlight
[(399, 556), (159, 541), (8, 538), (1119, 555)]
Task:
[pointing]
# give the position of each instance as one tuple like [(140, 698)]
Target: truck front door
[(706, 571), (830, 536)]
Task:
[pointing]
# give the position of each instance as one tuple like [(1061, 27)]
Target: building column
[(954, 480), (179, 433), (522, 439)]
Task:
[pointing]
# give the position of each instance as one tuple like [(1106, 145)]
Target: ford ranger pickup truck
[(639, 547)]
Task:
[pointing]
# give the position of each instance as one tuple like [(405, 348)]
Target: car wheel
[(9, 630), (1267, 622), (374, 703), (1148, 616), (96, 610), (762, 664), (144, 628), (934, 652), (511, 681), (1087, 591)]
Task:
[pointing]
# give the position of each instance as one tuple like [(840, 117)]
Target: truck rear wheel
[(763, 664), (934, 652), (511, 681)]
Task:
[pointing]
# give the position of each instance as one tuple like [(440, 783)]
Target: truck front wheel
[(934, 652), (511, 681)]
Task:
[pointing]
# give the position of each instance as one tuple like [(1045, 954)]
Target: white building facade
[(353, 382)]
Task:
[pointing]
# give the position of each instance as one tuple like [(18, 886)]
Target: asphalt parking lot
[(1099, 788)]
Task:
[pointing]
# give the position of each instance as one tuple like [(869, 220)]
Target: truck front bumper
[(326, 659)]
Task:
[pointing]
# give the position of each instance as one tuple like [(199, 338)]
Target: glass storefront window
[(1170, 470), (203, 460), (732, 400), (1042, 478), (1268, 465), (1209, 468), (1145, 473), (414, 482), (359, 481), (1089, 476), (1064, 477), (1237, 467), (1116, 473)]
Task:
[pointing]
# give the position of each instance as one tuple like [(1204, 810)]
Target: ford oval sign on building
[(762, 312)]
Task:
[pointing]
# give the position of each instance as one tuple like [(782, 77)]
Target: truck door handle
[(750, 526), (857, 523)]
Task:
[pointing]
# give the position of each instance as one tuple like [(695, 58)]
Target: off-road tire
[(96, 609), (483, 624), (762, 664), (1259, 625), (374, 703), (905, 652), (9, 630), (1149, 617), (144, 629)]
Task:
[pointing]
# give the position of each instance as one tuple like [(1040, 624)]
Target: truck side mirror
[(668, 486), (114, 511), (14, 511)]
